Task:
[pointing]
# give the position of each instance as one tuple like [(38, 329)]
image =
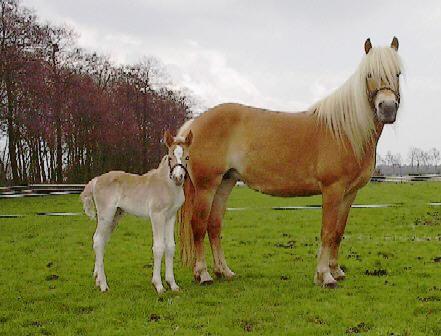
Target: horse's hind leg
[(104, 228), (201, 210), (215, 226), (158, 220), (345, 207)]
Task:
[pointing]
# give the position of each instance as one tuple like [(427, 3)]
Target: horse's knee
[(170, 249), (214, 228), (98, 241), (158, 249)]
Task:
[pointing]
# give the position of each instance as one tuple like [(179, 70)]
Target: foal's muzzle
[(177, 173)]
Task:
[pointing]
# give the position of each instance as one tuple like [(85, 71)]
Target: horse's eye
[(187, 158), (398, 74)]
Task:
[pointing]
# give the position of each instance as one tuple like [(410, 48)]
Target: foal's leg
[(332, 199), (170, 252), (345, 207), (100, 238), (201, 210), (215, 226), (158, 227)]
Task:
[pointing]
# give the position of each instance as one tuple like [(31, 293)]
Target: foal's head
[(177, 156), (382, 73)]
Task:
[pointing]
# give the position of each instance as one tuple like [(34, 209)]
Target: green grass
[(46, 285)]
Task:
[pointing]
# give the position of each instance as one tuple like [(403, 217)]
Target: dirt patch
[(377, 272), (52, 277), (429, 299), (289, 245), (154, 317), (359, 328), (247, 326)]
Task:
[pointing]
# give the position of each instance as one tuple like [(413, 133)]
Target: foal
[(157, 194)]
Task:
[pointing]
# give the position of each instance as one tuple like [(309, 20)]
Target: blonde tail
[(87, 199), (186, 243)]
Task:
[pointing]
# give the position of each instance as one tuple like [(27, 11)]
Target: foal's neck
[(163, 171)]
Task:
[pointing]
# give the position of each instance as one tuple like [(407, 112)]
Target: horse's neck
[(372, 147)]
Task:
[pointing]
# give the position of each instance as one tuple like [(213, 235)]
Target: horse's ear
[(189, 138), (367, 45), (394, 43), (168, 138)]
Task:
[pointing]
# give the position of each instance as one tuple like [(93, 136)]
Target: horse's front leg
[(158, 227), (170, 252), (332, 199), (345, 207)]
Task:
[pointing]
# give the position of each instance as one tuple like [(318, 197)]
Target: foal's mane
[(346, 111)]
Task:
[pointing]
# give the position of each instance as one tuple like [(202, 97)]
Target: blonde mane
[(346, 111)]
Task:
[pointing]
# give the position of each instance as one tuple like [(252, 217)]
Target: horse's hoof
[(229, 275), (338, 274), (330, 285), (205, 279), (218, 274), (339, 277)]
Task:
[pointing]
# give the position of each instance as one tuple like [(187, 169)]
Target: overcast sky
[(280, 55)]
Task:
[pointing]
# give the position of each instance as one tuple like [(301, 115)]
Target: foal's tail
[(186, 243), (87, 199)]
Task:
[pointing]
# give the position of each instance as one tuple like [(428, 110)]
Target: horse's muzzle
[(387, 111)]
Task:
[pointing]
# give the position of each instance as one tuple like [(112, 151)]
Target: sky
[(280, 55)]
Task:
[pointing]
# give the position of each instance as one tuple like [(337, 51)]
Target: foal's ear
[(189, 138), (367, 45), (168, 138), (394, 43)]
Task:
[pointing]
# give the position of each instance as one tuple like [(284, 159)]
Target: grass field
[(391, 257)]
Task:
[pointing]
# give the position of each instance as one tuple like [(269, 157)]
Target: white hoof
[(338, 274), (205, 278), (102, 284), (325, 280), (158, 287)]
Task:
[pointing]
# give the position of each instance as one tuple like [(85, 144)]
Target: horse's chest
[(363, 177)]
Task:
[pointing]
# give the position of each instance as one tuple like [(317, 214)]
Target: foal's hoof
[(173, 286)]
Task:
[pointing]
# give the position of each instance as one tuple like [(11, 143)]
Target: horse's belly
[(284, 187)]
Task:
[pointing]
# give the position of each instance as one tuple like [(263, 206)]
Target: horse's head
[(177, 156), (381, 71)]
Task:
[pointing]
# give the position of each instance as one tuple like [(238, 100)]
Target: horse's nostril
[(380, 105), (396, 105)]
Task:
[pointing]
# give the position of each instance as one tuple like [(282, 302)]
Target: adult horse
[(329, 149)]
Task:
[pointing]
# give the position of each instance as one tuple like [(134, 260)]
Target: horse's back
[(268, 149)]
